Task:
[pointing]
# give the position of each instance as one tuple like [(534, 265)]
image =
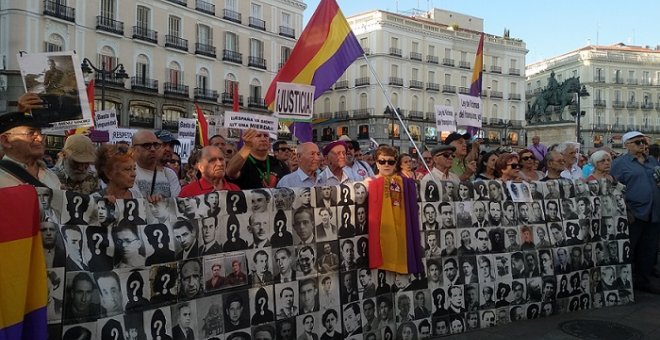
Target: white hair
[(598, 156), (563, 146)]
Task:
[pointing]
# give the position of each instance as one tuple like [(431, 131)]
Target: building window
[(431, 77), (342, 103), (431, 50), (415, 103), (202, 79), (326, 105), (415, 47), (55, 43), (175, 27), (463, 56), (231, 42), (106, 58), (415, 74), (286, 19), (363, 71), (256, 48), (364, 43), (394, 42), (364, 101), (174, 74), (143, 20), (447, 79), (363, 132), (172, 115), (142, 67), (230, 4), (204, 35), (255, 89), (256, 11), (108, 9), (394, 70), (448, 53)]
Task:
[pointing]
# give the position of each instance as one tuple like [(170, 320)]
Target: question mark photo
[(347, 216), (262, 304), (431, 190), (232, 230), (158, 325), (130, 207), (77, 201), (364, 247), (345, 193), (114, 333), (135, 285), (280, 227), (159, 235), (234, 200), (165, 279), (98, 238)]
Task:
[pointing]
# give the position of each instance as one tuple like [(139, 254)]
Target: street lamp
[(87, 68), (581, 92)]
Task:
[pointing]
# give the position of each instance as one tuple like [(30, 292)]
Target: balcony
[(205, 7), (110, 80), (175, 42), (257, 62), (464, 64), (231, 15), (57, 10), (256, 102), (432, 59), (415, 56), (598, 79), (363, 113), (599, 103), (514, 71), (144, 122), (514, 96), (416, 84), (599, 127), (257, 23), (632, 105), (617, 104), (176, 90), (448, 62), (144, 84), (433, 87), (632, 82), (618, 80), (205, 50), (496, 69), (647, 106), (417, 115), (287, 32), (206, 94), (145, 34), (232, 56), (395, 51), (617, 127), (172, 125), (109, 25), (464, 90), (448, 89), (179, 2), (325, 115), (341, 114), (228, 98), (496, 94), (646, 82), (396, 81), (362, 81), (342, 84)]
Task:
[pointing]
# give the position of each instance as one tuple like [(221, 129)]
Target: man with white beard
[(74, 172)]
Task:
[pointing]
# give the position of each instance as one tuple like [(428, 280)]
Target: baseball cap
[(442, 148), (456, 136), (330, 146), (11, 120), (630, 135), (80, 148), (166, 137)]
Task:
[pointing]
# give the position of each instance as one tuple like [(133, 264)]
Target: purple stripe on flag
[(303, 131), (475, 88), (33, 326), (328, 73)]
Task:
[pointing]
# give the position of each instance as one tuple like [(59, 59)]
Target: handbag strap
[(20, 173)]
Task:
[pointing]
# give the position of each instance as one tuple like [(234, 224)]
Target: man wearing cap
[(636, 170), (74, 173), (22, 142), (360, 169), (151, 177), (462, 165), (443, 156), (307, 174), (252, 167), (211, 166), (336, 172), (168, 144)]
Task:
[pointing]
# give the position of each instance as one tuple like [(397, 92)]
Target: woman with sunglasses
[(508, 168), (528, 172), (394, 238), (486, 166)]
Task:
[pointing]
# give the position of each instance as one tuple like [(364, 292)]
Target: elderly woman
[(405, 169), (392, 226), (508, 168), (116, 168), (528, 172), (602, 161)]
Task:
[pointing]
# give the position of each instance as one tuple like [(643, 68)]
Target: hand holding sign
[(250, 138)]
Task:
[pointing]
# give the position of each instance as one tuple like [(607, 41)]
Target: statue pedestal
[(553, 133)]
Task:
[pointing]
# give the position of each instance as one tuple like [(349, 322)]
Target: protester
[(427, 158), (252, 167), (360, 169), (22, 142), (282, 152), (636, 170), (404, 167), (602, 161), (336, 172), (308, 168), (486, 166), (442, 161), (74, 172), (463, 165), (538, 149), (555, 164), (151, 177), (116, 168), (168, 145), (570, 153), (211, 166), (528, 172), (508, 168)]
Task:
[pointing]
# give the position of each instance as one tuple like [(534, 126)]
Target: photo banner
[(106, 120), (469, 111), (56, 77), (444, 118), (243, 121), (121, 135), (294, 102), (187, 128)]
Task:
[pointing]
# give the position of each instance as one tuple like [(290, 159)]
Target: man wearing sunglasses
[(636, 170), (23, 144), (152, 178), (282, 151), (443, 157)]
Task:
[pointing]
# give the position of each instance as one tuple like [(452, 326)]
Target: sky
[(548, 28)]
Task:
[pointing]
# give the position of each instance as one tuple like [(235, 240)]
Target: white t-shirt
[(167, 183)]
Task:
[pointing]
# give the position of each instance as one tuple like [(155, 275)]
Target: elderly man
[(443, 156), (252, 167), (555, 164), (148, 153), (309, 160), (464, 165), (636, 169), (361, 170), (74, 173), (211, 166), (569, 151), (336, 172), (22, 142)]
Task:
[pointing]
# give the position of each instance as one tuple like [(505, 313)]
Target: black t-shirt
[(250, 177)]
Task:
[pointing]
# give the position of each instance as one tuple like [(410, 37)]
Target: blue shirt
[(642, 192), (299, 179)]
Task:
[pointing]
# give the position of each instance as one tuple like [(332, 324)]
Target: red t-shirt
[(203, 186)]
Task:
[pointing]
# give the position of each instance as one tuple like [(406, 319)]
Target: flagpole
[(396, 112)]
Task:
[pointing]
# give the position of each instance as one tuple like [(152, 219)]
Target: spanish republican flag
[(23, 288), (477, 73), (202, 126)]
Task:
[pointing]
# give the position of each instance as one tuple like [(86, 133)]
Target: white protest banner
[(294, 102), (444, 118), (243, 121), (469, 111), (187, 128), (185, 148), (106, 120), (121, 135)]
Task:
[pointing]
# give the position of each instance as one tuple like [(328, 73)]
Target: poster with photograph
[(57, 79)]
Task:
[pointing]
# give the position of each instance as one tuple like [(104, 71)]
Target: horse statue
[(558, 96)]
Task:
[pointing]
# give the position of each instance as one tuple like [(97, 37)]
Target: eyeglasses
[(386, 161), (639, 142), (515, 166), (428, 158), (446, 155), (30, 133), (173, 161), (283, 149), (526, 158), (148, 146)]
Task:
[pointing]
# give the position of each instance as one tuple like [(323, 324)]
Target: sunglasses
[(147, 146), (639, 142), (446, 155), (386, 161), (428, 158), (526, 158), (284, 149), (515, 166)]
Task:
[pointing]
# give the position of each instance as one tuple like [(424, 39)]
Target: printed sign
[(106, 120), (469, 111), (294, 102), (187, 128), (185, 148), (444, 118), (243, 121), (121, 135)]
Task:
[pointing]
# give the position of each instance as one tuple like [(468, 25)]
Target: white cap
[(344, 138), (632, 134)]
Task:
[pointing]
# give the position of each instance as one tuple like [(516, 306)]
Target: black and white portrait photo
[(237, 203), (105, 212), (235, 234), (326, 229), (209, 236), (75, 243), (212, 203), (304, 226), (80, 331), (190, 279), (81, 298), (429, 213), (130, 251), (110, 328), (360, 193), (260, 267), (53, 244), (98, 243), (328, 258), (161, 212), (286, 300), (110, 292), (308, 290), (187, 207), (77, 208), (283, 198), (303, 198), (262, 305), (236, 269), (159, 244), (158, 323), (163, 282), (185, 239), (55, 281), (346, 196), (346, 221), (282, 229), (136, 292), (131, 212), (184, 320)]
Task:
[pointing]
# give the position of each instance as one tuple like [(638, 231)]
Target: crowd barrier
[(292, 263)]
